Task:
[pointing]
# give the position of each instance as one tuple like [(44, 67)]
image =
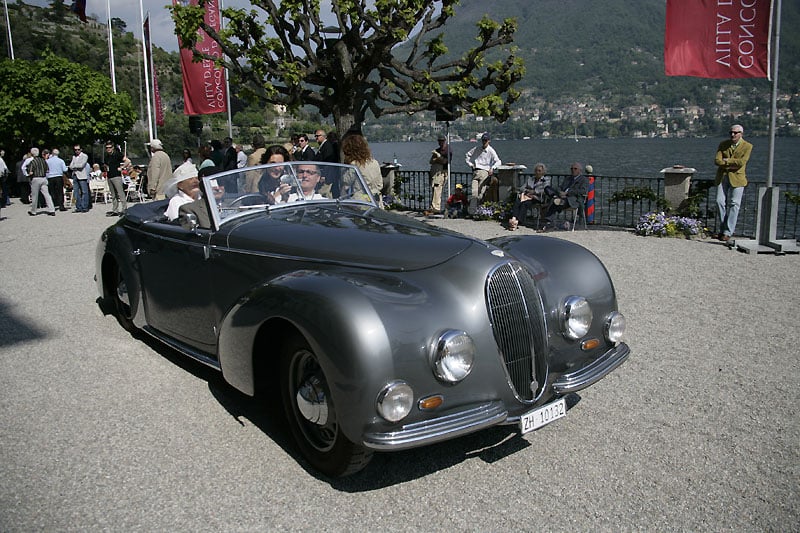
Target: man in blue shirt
[(56, 170)]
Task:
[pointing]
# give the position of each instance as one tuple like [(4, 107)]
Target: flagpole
[(766, 240), (8, 30), (774, 100), (227, 80), (111, 49), (146, 74), (152, 68)]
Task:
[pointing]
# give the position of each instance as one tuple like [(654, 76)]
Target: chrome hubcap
[(311, 401), (314, 411), (122, 292)]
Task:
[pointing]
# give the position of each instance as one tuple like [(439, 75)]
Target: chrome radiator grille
[(516, 314)]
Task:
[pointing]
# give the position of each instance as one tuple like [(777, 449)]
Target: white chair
[(99, 188), (537, 212), (68, 197), (576, 211), (133, 191)]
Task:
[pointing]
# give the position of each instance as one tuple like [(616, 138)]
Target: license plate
[(543, 415)]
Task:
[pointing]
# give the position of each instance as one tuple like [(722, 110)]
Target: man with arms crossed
[(731, 160)]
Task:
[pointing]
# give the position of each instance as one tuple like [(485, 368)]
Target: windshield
[(280, 185)]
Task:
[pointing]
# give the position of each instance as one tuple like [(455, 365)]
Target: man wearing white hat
[(159, 171), (182, 188)]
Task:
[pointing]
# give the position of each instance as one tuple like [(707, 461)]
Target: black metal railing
[(412, 189)]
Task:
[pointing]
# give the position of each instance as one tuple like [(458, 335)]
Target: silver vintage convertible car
[(381, 332)]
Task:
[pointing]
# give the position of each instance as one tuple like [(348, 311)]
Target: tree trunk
[(344, 121)]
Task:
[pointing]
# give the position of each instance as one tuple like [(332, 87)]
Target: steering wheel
[(253, 198)]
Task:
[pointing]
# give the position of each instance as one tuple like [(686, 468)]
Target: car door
[(176, 283)]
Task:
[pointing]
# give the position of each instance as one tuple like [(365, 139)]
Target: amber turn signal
[(590, 344), (431, 402)]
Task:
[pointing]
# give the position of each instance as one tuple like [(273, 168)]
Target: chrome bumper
[(438, 429), (600, 368)]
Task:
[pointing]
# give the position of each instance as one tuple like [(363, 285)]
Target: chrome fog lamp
[(395, 401), (576, 317), (453, 356), (614, 327)]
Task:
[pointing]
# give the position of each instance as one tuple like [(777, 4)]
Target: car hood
[(346, 234)]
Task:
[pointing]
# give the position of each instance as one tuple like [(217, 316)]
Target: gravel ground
[(697, 431)]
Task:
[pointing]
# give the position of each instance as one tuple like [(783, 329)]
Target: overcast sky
[(162, 29)]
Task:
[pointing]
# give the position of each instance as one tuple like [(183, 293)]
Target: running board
[(183, 348)]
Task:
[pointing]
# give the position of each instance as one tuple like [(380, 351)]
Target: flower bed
[(663, 225), (492, 211)]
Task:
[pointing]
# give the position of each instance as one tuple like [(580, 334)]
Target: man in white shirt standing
[(5, 176), (483, 161), (241, 157)]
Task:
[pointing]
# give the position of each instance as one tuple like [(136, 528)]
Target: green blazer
[(735, 164)]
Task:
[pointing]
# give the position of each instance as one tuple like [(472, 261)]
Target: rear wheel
[(312, 414)]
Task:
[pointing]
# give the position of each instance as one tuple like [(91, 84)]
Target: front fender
[(562, 268), (336, 318), (114, 249)]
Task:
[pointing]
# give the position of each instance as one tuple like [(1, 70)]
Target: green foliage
[(54, 102), (792, 198), (638, 194), (498, 211), (688, 208), (697, 195)]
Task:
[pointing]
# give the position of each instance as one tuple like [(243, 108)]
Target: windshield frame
[(226, 206)]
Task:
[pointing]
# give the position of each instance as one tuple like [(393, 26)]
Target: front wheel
[(312, 414), (123, 299)]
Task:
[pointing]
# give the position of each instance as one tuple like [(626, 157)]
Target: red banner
[(718, 38), (79, 8), (159, 109), (157, 98), (203, 83)]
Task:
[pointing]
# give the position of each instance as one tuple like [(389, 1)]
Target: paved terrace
[(697, 431)]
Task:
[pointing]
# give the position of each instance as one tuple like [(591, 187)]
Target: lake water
[(610, 157)]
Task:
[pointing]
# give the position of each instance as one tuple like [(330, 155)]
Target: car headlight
[(576, 317), (453, 356), (395, 401), (614, 327)]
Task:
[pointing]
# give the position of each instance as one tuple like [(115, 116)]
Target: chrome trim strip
[(183, 348), (594, 372), (438, 429)]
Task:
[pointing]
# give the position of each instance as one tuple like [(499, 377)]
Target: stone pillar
[(677, 180), (387, 173), (508, 180)]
